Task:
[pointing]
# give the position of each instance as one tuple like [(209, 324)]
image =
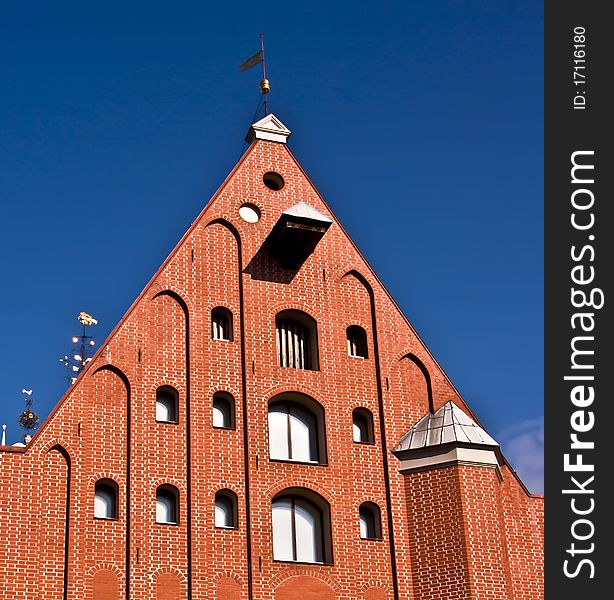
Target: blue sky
[(421, 123)]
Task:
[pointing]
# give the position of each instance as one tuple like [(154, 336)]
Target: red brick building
[(264, 423)]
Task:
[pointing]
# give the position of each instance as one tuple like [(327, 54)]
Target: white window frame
[(370, 521), (298, 530), (221, 324), (225, 515), (167, 506), (105, 500), (295, 432), (362, 426), (223, 411), (167, 400), (357, 342)]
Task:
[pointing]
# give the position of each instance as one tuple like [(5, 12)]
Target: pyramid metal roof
[(447, 425)]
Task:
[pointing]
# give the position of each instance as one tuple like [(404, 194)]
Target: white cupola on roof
[(268, 128)]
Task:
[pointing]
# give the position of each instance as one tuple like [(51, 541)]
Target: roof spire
[(265, 84)]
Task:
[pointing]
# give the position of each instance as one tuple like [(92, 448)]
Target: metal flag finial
[(252, 61), (265, 84)]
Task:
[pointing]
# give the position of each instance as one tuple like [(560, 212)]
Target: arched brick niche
[(375, 593), (227, 588), (305, 588), (168, 587), (413, 384), (53, 511), (105, 585)]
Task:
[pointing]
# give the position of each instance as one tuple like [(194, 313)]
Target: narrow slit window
[(167, 505), (221, 324), (105, 499), (370, 521), (362, 426), (166, 404), (223, 411), (226, 509)]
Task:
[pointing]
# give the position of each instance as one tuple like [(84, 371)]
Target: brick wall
[(105, 427)]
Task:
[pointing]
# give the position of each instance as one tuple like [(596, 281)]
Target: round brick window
[(249, 213), (274, 181)]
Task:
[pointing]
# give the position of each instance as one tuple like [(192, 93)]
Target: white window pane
[(302, 434), (161, 411), (221, 328), (165, 509), (103, 504), (364, 526), (308, 543), (361, 428), (223, 513), (278, 433), (358, 434), (282, 530), (221, 418), (165, 409)]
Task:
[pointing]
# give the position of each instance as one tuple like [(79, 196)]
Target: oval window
[(274, 181)]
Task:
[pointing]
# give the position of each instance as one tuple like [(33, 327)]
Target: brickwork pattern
[(105, 427)]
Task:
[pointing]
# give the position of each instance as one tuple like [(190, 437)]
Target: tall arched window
[(301, 527), (221, 324), (166, 404), (167, 500), (226, 509), (357, 342), (362, 426), (297, 340), (105, 499), (296, 429), (370, 521), (223, 411)]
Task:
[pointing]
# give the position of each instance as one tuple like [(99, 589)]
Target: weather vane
[(265, 84), (82, 350), (28, 419)]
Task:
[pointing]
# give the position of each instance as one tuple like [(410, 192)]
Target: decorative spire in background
[(28, 419), (82, 349)]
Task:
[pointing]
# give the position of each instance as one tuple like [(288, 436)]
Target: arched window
[(297, 340), (226, 509), (357, 342), (105, 499), (167, 498), (362, 426), (370, 521), (221, 324), (296, 429), (301, 527), (166, 404), (223, 411)]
